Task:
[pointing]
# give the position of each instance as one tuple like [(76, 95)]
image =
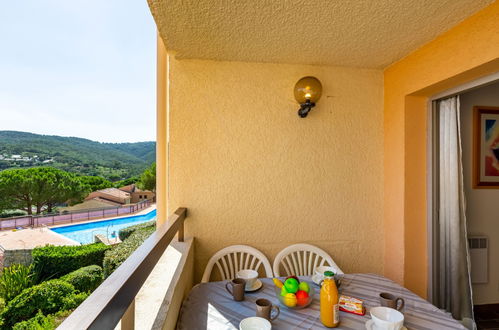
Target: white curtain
[(452, 283)]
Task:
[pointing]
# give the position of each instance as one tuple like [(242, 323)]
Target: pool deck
[(31, 238)]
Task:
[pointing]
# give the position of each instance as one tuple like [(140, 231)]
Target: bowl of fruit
[(293, 293)]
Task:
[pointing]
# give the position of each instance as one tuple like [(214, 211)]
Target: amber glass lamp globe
[(308, 89)]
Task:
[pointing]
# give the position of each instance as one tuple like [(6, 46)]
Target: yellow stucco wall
[(251, 171), (161, 132), (466, 52)]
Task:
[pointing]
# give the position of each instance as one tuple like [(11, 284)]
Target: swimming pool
[(85, 232)]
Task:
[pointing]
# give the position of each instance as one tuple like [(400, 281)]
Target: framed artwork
[(485, 147)]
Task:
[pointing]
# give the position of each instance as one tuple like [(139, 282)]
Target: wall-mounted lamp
[(308, 91)]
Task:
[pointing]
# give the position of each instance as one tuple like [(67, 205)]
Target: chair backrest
[(233, 258), (302, 260)]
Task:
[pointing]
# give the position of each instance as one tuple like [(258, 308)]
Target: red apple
[(302, 297)]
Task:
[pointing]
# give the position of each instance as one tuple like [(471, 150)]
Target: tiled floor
[(487, 316)]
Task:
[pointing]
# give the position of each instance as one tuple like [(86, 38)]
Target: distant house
[(90, 204), (136, 194), (108, 197), (113, 195)]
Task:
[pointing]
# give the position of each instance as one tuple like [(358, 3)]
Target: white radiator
[(479, 255)]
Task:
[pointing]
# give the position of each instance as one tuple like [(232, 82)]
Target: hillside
[(114, 161)]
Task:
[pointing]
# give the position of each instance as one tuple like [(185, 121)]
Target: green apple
[(283, 291), (291, 285), (304, 287)]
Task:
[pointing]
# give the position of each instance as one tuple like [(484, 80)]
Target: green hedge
[(38, 322), (42, 322), (85, 279), (56, 261), (124, 233), (47, 297), (12, 213), (73, 300), (119, 253)]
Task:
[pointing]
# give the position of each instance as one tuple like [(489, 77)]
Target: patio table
[(210, 306)]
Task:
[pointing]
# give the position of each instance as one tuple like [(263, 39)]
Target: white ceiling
[(356, 33)]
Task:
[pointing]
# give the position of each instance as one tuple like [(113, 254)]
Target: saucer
[(370, 326), (257, 286)]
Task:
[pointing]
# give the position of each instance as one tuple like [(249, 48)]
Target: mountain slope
[(114, 161)]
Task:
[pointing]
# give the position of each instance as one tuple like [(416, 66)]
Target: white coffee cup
[(249, 276), (387, 318), (255, 323)]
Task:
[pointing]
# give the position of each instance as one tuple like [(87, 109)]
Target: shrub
[(74, 300), (124, 233), (38, 322), (42, 322), (55, 261), (14, 280), (85, 279), (119, 253), (12, 213), (47, 297)]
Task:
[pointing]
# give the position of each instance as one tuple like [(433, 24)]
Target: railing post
[(128, 319), (180, 234)]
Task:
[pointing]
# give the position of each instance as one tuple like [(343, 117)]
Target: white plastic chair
[(233, 258), (302, 260)]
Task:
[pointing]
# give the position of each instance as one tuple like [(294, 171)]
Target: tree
[(126, 182), (95, 182), (61, 187), (17, 187), (40, 187), (5, 202), (147, 179)]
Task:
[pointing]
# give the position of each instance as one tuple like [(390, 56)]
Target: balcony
[(351, 177)]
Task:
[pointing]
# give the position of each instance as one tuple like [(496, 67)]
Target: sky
[(84, 68)]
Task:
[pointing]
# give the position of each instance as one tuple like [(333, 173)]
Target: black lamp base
[(305, 108)]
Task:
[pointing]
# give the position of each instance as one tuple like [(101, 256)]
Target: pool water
[(85, 232)]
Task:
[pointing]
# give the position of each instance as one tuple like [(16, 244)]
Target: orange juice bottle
[(330, 308)]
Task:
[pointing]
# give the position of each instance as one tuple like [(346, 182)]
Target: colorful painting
[(486, 147)]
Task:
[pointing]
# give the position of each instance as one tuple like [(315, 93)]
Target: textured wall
[(364, 34), (11, 257), (252, 172), (481, 204), (161, 132), (466, 52)]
